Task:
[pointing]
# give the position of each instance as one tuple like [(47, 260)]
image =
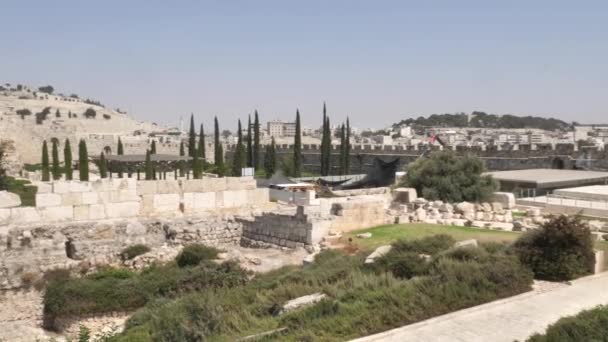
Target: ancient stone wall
[(66, 201)]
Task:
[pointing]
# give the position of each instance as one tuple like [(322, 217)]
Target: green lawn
[(385, 235), (24, 189)]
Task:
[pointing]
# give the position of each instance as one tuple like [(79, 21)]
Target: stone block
[(25, 215), (81, 212), (43, 187), (123, 209), (240, 183), (466, 243), (78, 186), (378, 252), (166, 203), (199, 201), (97, 212), (404, 195), (213, 184), (507, 199), (61, 187), (48, 200), (71, 198), (54, 214), (9, 200), (123, 195), (90, 197), (146, 187), (234, 198), (259, 196), (168, 187), (5, 215), (101, 185)]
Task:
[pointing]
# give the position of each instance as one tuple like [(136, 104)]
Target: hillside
[(28, 116), (484, 120)]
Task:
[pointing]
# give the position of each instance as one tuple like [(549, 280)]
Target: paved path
[(514, 318)]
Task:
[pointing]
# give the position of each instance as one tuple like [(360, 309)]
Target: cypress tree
[(270, 159), (256, 142), (325, 144), (83, 161), (67, 160), (148, 166), (342, 164), (202, 153), (197, 172), (55, 169), (218, 149), (347, 153), (153, 147), (120, 151), (239, 154), (46, 175), (182, 152), (191, 138), (297, 148), (103, 166), (249, 144)]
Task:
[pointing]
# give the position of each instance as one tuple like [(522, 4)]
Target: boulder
[(486, 207), (533, 212), (506, 199), (446, 207), (364, 235), (404, 195), (497, 208), (380, 251), (464, 207), (9, 200), (466, 243), (420, 214), (302, 301)]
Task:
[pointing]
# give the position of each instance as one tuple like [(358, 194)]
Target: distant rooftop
[(550, 178)]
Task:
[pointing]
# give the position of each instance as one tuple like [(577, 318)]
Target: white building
[(277, 128)]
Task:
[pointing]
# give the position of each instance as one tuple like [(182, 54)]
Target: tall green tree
[(182, 152), (55, 168), (249, 144), (153, 147), (325, 144), (103, 166), (197, 169), (3, 177), (67, 160), (239, 154), (348, 149), (270, 159), (191, 138), (46, 173), (342, 164), (83, 161), (323, 149), (120, 151), (256, 142), (202, 153), (218, 149), (297, 148), (148, 166)]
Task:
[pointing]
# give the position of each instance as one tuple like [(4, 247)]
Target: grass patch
[(387, 234), (25, 190)]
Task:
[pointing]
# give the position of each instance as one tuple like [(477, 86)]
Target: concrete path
[(510, 319)]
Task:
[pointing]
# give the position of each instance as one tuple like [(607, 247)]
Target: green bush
[(193, 254), (133, 251), (589, 325), (402, 264), (562, 249), (427, 245), (451, 178)]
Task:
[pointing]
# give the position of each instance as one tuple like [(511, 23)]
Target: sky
[(377, 62)]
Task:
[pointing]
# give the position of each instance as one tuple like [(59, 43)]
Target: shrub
[(23, 112), (90, 113), (562, 249), (46, 89), (451, 178), (402, 264), (133, 251), (193, 254), (589, 325), (427, 245)]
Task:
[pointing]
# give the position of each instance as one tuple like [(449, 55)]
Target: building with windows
[(277, 128)]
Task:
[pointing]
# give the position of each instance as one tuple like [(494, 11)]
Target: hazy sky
[(376, 61)]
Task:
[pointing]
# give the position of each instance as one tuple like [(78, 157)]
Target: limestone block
[(497, 207), (25, 215), (71, 198), (146, 187), (166, 202), (78, 186), (213, 184), (404, 195), (136, 228), (464, 207), (259, 196), (61, 187), (90, 197), (401, 219), (240, 183), (100, 185), (380, 251), (122, 209), (302, 301), (466, 243), (54, 214), (48, 200), (5, 215), (123, 195), (97, 212), (199, 200), (147, 204), (81, 212), (9, 200), (486, 207), (43, 187), (507, 199), (234, 198), (168, 187)]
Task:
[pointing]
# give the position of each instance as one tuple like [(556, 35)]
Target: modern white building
[(277, 128)]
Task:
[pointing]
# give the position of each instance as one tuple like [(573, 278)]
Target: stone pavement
[(510, 319)]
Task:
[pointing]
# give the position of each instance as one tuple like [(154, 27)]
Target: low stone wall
[(66, 201)]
